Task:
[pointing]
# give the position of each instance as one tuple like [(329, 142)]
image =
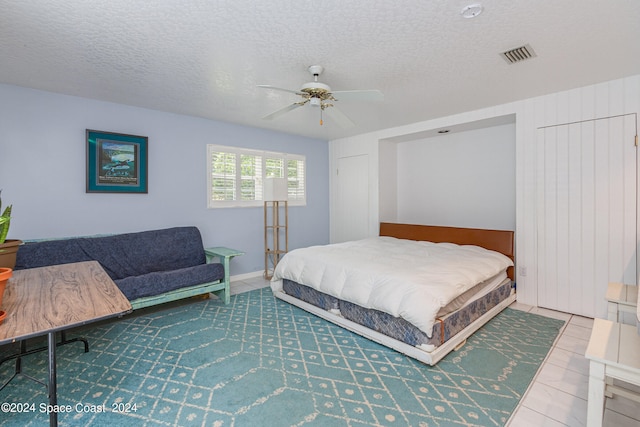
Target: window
[(236, 175)]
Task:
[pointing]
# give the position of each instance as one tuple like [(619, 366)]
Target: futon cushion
[(164, 281), (121, 255), (51, 252)]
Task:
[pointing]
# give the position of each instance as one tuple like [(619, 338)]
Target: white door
[(351, 214), (586, 212)]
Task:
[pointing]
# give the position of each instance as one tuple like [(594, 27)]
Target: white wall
[(356, 146), (388, 181), (462, 179), (606, 99), (42, 173)]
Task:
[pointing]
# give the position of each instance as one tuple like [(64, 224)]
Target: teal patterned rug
[(262, 362)]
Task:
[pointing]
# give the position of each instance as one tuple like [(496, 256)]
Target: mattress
[(403, 278), (486, 296)]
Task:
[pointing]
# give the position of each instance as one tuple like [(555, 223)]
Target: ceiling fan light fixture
[(315, 86), (318, 94)]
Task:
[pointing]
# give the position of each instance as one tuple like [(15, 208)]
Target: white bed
[(411, 280)]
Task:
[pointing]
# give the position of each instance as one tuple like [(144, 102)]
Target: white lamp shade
[(275, 189)]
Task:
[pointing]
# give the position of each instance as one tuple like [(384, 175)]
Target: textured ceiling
[(205, 58)]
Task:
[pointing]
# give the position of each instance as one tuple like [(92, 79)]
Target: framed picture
[(116, 163)]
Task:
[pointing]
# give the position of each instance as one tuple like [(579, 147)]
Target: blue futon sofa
[(149, 267)]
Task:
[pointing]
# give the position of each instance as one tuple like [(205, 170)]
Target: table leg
[(53, 396), (227, 291), (596, 397), (612, 311)]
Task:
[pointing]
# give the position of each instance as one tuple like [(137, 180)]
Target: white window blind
[(236, 175), (223, 175), (296, 180), (274, 167), (250, 177)]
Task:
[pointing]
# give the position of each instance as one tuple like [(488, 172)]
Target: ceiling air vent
[(518, 54)]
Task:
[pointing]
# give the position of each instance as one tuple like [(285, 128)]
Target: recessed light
[(471, 11)]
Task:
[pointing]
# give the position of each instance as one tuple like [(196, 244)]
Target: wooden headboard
[(495, 240)]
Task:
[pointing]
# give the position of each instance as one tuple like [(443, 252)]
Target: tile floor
[(558, 395)]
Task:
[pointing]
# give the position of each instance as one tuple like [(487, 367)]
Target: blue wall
[(42, 173)]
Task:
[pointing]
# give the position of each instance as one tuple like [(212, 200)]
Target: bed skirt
[(398, 328)]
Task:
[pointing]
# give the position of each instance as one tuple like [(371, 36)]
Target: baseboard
[(245, 276)]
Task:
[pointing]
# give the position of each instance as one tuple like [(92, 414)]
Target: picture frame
[(116, 162)]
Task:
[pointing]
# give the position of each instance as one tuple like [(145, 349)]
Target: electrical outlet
[(522, 270)]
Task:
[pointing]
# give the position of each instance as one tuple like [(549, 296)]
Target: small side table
[(613, 354), (621, 298), (225, 255)]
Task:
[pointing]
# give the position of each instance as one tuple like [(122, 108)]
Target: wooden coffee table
[(43, 301)]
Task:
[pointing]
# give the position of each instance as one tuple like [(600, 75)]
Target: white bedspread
[(404, 278)]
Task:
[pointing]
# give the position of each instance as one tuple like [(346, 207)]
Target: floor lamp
[(276, 219)]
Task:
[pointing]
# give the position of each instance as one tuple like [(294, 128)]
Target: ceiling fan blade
[(297, 92), (282, 111), (358, 95), (340, 118)]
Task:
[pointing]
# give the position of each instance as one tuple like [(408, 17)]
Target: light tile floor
[(558, 395)]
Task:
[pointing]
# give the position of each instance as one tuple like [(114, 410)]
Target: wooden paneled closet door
[(586, 198)]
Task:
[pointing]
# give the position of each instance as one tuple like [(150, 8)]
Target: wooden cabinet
[(276, 234)]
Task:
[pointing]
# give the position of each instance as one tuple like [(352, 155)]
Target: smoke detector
[(471, 11)]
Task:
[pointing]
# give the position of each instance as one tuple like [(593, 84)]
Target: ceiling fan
[(318, 94)]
